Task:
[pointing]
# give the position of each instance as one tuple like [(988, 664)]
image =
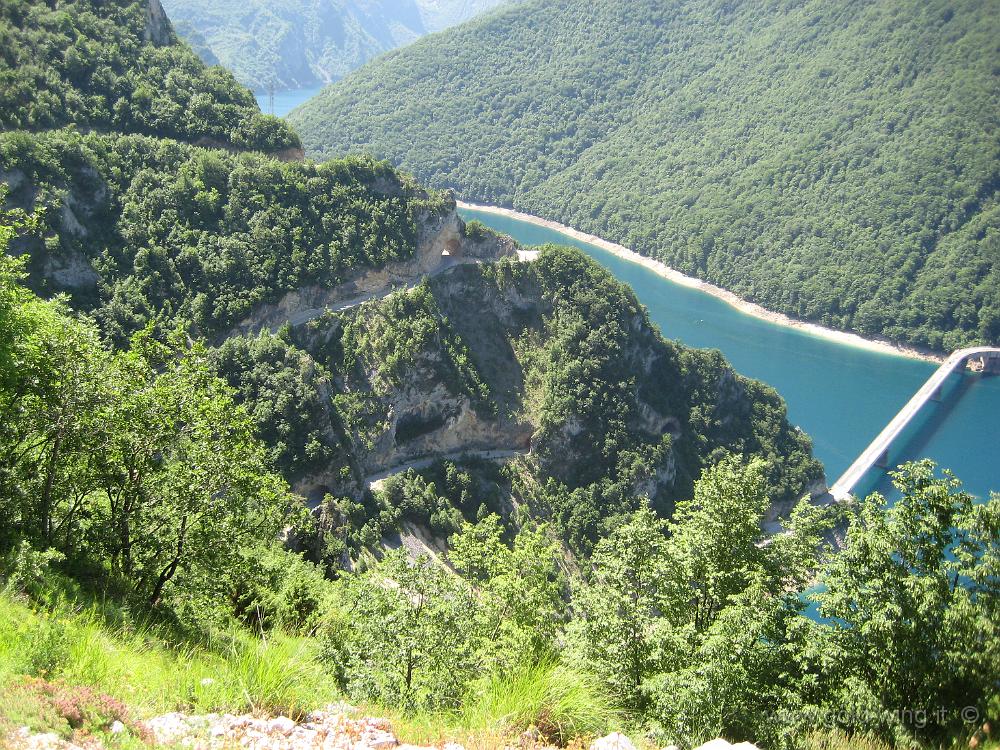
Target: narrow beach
[(749, 308)]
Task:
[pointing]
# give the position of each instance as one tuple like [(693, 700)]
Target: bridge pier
[(882, 461), (987, 363)]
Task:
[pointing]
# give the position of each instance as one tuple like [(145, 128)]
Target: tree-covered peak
[(118, 66)]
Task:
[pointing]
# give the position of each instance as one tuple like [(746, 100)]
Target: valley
[(876, 382), (294, 47), (299, 451), (740, 143)]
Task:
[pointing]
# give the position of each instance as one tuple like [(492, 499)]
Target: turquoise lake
[(841, 395), (286, 101)]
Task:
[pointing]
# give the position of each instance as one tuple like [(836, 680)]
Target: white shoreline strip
[(883, 346)]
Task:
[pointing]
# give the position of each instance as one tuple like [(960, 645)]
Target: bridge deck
[(880, 445)]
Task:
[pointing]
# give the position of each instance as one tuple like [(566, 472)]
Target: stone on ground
[(614, 741)]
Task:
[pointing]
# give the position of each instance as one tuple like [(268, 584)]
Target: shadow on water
[(922, 437)]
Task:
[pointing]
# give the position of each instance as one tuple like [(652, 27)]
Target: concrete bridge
[(978, 359)]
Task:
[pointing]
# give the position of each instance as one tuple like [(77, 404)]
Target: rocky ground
[(337, 727)]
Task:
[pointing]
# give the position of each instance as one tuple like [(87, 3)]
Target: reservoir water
[(841, 395), (286, 101)]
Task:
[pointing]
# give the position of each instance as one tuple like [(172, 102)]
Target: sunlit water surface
[(285, 101), (841, 395)]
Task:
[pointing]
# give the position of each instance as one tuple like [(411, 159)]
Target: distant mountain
[(835, 160), (299, 43)]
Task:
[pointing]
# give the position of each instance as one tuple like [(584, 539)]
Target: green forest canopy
[(118, 66), (138, 506), (180, 232), (836, 161), (148, 233)]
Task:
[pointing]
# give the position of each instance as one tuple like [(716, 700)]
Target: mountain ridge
[(301, 43), (741, 144)]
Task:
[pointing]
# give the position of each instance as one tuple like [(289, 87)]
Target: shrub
[(59, 708), (23, 568), (46, 652)]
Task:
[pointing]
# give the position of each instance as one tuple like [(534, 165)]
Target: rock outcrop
[(158, 29), (336, 727), (441, 244)]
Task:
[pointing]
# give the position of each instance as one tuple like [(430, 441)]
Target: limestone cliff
[(158, 29), (506, 358), (441, 243)]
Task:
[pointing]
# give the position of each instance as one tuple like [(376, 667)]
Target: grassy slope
[(152, 669), (835, 161), (74, 640)]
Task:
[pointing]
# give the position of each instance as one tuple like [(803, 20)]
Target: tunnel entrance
[(452, 249)]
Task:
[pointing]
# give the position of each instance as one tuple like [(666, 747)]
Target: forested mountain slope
[(114, 66), (142, 230), (299, 43), (553, 356), (238, 331), (836, 161), (151, 234)]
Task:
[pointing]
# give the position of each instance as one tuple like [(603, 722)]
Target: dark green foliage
[(272, 587), (287, 395), (178, 232), (560, 349), (440, 498), (604, 387), (913, 603), (410, 644), (137, 465), (397, 333), (420, 642), (116, 65), (832, 160)]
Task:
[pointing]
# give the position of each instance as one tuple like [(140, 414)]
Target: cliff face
[(504, 358), (158, 30)]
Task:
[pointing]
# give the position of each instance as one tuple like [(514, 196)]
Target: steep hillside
[(238, 331), (142, 230), (836, 161), (299, 43), (117, 66), (148, 235), (554, 359)]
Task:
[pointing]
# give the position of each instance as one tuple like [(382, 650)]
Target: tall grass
[(836, 739), (154, 673), (563, 706), (277, 676), (554, 699), (152, 670)]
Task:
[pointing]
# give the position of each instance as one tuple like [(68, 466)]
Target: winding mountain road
[(374, 481), (403, 285)]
